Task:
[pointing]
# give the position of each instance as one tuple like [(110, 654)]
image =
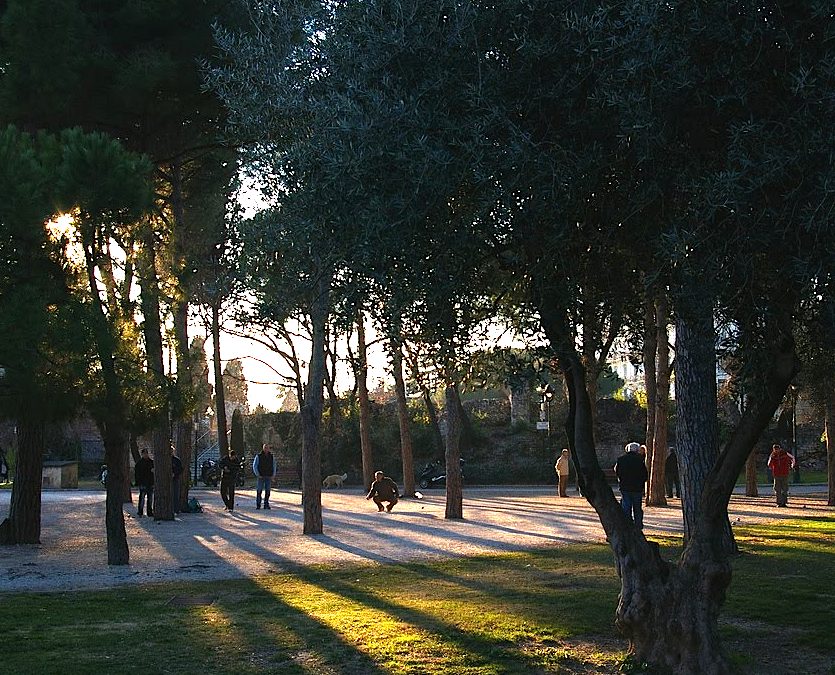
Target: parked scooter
[(210, 473), (434, 474)]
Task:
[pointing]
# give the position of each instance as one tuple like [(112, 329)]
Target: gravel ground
[(247, 542)]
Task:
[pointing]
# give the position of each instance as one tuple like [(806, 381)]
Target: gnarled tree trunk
[(669, 612), (23, 526)]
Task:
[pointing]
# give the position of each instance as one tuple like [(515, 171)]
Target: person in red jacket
[(780, 462)]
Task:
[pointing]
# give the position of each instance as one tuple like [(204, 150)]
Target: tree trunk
[(751, 488), (115, 451), (364, 405), (220, 398), (829, 427), (454, 492), (23, 526), (403, 420), (650, 381), (697, 429), (185, 424), (311, 412), (113, 421), (334, 409), (152, 330), (657, 489)]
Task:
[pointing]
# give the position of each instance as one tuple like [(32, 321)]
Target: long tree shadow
[(280, 638)]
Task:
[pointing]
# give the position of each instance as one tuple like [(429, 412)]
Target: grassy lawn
[(539, 611)]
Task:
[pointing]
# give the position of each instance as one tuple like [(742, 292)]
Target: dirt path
[(220, 545)]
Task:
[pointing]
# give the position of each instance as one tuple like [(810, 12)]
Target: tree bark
[(454, 492), (650, 353), (334, 409), (668, 613), (311, 412), (152, 331), (697, 430), (115, 451), (657, 489), (220, 398), (751, 488), (185, 425), (403, 420), (113, 421), (364, 404), (23, 526)]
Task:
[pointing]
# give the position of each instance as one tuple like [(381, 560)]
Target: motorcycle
[(210, 473), (434, 474)]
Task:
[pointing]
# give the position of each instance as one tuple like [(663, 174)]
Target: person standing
[(383, 490), (562, 469), (781, 463), (631, 471), (263, 466), (671, 474), (176, 475), (229, 468), (143, 474)]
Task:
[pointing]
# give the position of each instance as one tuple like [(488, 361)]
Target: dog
[(334, 480)]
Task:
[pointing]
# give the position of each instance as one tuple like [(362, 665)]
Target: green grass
[(539, 611)]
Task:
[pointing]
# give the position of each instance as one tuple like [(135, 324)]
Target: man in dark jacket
[(632, 475), (143, 474), (229, 468), (383, 489), (671, 474), (263, 466)]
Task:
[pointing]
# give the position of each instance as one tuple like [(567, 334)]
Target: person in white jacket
[(562, 469), (263, 466)]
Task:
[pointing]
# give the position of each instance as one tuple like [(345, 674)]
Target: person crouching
[(383, 490)]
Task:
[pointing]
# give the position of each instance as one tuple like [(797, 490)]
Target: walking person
[(263, 466), (631, 471), (383, 491), (143, 474), (562, 468), (229, 468), (671, 474), (781, 463)]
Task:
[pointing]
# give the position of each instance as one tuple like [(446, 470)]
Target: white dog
[(334, 480)]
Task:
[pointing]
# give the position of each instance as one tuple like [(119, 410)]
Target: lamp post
[(194, 449)]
